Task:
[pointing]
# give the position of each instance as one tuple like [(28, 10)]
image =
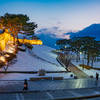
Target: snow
[(96, 64), (27, 62), (90, 72), (41, 58), (46, 53)]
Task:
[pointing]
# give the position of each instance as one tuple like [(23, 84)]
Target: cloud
[(64, 36), (54, 31)]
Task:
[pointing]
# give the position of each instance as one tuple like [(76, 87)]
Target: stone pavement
[(44, 85), (77, 71), (75, 94), (50, 89)]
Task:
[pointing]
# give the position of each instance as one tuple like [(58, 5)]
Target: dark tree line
[(88, 46), (15, 23)]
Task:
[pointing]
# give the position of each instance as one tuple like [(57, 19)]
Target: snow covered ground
[(41, 58), (95, 64), (27, 62), (46, 53)]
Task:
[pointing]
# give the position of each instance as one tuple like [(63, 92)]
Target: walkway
[(50, 90), (54, 95), (71, 67), (77, 71), (44, 85)]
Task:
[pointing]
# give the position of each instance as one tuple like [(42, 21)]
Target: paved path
[(71, 67), (46, 85), (50, 90), (54, 95), (77, 71)]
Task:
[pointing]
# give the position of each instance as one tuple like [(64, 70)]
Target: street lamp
[(82, 59)]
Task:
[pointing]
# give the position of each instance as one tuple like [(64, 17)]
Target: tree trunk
[(78, 57), (14, 38), (88, 59), (93, 59)]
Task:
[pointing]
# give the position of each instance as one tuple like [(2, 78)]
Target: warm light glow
[(33, 42), (6, 55), (10, 51), (2, 58), (6, 38)]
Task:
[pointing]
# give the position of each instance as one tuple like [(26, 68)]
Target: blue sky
[(65, 14)]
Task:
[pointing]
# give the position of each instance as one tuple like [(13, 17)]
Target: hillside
[(92, 30), (40, 57), (50, 36)]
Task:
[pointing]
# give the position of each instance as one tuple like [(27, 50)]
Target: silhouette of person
[(97, 76), (25, 85)]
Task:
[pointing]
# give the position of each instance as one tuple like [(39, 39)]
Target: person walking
[(97, 76), (25, 85)]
